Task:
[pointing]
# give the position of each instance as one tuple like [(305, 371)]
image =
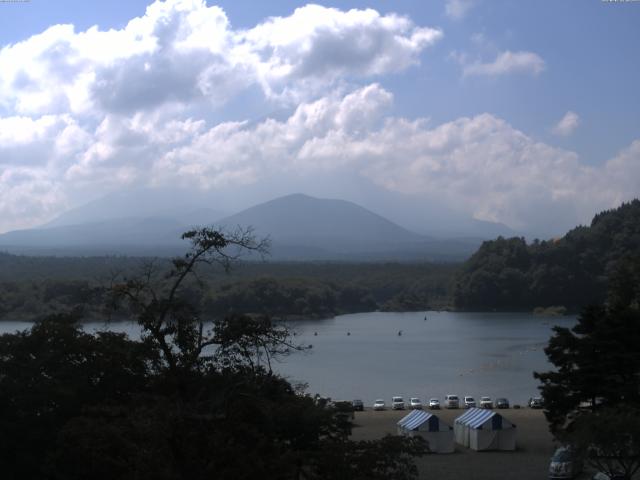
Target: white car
[(397, 403), (469, 402), (485, 402), (415, 404), (451, 401), (379, 404), (434, 404)]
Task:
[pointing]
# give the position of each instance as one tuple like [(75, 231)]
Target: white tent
[(481, 429), (429, 427)]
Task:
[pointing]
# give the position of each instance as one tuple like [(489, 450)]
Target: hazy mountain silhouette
[(304, 227), (320, 222), (178, 205), (300, 227)]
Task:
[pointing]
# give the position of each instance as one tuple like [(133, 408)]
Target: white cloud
[(182, 52), (567, 124), (506, 63), (458, 9), (481, 165), (320, 44), (91, 111)]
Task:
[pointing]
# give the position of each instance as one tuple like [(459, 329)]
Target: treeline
[(572, 271), (34, 287)]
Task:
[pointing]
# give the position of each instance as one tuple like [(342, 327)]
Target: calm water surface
[(362, 355)]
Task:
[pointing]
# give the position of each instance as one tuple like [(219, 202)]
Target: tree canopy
[(186, 401), (592, 398), (571, 271)]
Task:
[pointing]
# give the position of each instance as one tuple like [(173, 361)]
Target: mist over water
[(363, 356)]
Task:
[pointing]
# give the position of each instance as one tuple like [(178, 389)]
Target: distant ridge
[(301, 228)]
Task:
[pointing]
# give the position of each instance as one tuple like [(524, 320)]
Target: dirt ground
[(530, 461)]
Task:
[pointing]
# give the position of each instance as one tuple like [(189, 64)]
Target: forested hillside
[(33, 287), (571, 271)]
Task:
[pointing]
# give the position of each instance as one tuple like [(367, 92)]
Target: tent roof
[(415, 419), (476, 417)]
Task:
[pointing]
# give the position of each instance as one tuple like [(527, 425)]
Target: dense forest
[(505, 274), (33, 287), (571, 271)]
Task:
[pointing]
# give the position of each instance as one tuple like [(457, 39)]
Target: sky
[(524, 113)]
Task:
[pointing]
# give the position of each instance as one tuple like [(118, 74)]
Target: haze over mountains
[(300, 228)]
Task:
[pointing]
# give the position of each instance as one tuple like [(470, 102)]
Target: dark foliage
[(609, 440), (597, 361), (592, 398), (182, 402), (570, 271)]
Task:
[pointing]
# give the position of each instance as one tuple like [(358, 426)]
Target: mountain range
[(300, 228)]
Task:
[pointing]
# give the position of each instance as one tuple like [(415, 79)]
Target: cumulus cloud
[(481, 165), (183, 51), (567, 124), (458, 9), (94, 110), (98, 108), (507, 63), (320, 44)]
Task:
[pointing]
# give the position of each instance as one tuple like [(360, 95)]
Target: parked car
[(451, 401), (485, 402), (358, 406), (379, 404), (502, 403), (469, 402), (434, 404), (564, 464), (535, 402), (397, 403), (415, 404)]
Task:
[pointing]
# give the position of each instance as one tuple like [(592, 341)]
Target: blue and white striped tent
[(428, 426), (481, 429)]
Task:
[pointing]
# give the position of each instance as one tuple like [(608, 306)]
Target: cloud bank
[(89, 112)]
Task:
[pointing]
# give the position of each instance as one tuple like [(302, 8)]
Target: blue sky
[(524, 113)]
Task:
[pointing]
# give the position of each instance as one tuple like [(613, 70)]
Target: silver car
[(397, 403), (451, 401), (485, 402), (469, 402)]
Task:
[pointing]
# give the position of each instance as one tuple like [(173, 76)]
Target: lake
[(362, 355)]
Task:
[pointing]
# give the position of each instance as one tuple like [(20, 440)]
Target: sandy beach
[(530, 461)]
